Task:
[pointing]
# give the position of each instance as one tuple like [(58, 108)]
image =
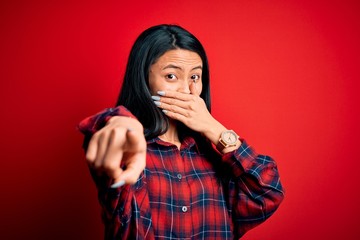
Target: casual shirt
[(189, 193)]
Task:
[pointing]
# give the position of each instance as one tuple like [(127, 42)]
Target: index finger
[(92, 148), (135, 160), (175, 94), (135, 141)]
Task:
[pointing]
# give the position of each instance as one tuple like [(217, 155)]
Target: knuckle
[(116, 131), (171, 101), (172, 108), (97, 165), (109, 165), (170, 114), (96, 136), (90, 163), (117, 134), (89, 159), (178, 96), (113, 134), (174, 116)]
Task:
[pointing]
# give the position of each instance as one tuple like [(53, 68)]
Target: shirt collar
[(187, 143)]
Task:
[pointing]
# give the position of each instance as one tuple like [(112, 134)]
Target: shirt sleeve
[(90, 125), (94, 123), (108, 197), (120, 213), (255, 191)]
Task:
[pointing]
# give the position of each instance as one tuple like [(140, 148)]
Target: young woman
[(164, 167)]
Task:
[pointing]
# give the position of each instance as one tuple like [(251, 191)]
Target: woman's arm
[(255, 190), (115, 151), (115, 145)]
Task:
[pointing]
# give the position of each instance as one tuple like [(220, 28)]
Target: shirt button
[(184, 209), (179, 176)]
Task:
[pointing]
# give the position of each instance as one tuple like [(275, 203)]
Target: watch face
[(229, 137)]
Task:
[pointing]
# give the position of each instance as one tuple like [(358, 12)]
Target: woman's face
[(175, 70)]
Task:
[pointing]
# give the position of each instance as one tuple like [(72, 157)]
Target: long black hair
[(135, 93)]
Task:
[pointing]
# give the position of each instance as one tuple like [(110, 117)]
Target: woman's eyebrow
[(172, 66), (197, 67)]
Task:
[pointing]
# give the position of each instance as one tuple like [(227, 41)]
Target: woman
[(163, 166)]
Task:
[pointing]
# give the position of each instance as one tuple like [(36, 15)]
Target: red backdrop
[(285, 75)]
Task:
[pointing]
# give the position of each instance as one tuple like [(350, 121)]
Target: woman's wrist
[(230, 149), (213, 132)]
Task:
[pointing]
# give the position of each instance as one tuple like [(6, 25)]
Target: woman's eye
[(195, 77), (171, 76)]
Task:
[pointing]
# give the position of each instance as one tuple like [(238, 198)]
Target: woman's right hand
[(120, 143)]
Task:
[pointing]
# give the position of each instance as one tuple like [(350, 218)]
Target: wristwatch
[(227, 139)]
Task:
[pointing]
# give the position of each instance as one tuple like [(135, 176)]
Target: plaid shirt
[(191, 193)]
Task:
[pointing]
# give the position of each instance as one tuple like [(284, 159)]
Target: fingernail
[(130, 129), (164, 111), (157, 103), (157, 98), (161, 93), (118, 184)]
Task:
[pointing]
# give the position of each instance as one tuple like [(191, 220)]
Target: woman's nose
[(184, 86)]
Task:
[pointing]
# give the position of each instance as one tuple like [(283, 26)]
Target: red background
[(285, 75)]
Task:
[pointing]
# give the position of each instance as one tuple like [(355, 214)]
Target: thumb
[(134, 159)]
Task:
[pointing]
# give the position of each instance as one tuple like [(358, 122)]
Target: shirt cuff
[(240, 159)]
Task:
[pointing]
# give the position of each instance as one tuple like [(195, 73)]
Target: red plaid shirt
[(191, 193)]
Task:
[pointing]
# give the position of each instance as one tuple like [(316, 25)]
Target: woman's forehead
[(179, 58)]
